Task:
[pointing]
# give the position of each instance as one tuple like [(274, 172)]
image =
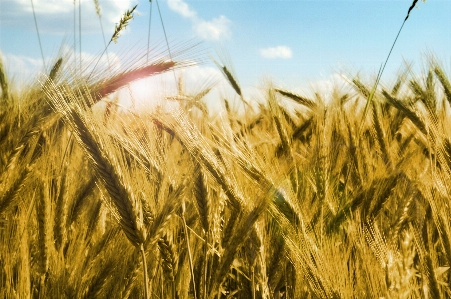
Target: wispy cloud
[(56, 16), (277, 52), (23, 68), (182, 8), (216, 29)]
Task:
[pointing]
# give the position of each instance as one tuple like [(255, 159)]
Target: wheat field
[(290, 196)]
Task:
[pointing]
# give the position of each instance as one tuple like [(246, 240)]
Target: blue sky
[(292, 42)]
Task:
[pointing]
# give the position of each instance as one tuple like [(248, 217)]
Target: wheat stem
[(99, 14), (123, 23), (191, 266), (381, 71), (79, 32), (166, 38), (146, 284), (37, 31), (148, 32)]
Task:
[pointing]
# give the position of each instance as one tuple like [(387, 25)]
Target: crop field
[(290, 196)]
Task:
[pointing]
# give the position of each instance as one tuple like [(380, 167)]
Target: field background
[(337, 193)]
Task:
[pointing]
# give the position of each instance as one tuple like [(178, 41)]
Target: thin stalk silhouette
[(99, 14), (166, 38), (37, 31), (79, 29), (148, 32), (381, 70)]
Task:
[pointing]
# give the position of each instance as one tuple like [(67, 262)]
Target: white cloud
[(215, 29), (181, 8), (277, 52), (56, 16), (46, 7)]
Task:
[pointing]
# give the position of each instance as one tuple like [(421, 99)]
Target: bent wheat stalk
[(101, 90)]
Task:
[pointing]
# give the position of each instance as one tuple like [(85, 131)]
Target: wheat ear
[(178, 126), (200, 191), (275, 113), (444, 81), (101, 90), (129, 210), (297, 98), (123, 23), (121, 196), (416, 120)]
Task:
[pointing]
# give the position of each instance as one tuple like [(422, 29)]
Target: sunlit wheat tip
[(123, 23), (97, 5)]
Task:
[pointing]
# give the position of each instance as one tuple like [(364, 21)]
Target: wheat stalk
[(43, 214), (61, 212), (99, 14), (118, 28), (427, 266), (110, 85), (122, 197), (275, 113), (200, 191), (37, 32), (10, 195), (129, 210), (297, 98), (381, 70), (188, 246), (36, 125), (412, 115), (232, 81), (168, 256), (178, 126), (380, 132), (123, 23), (97, 6), (444, 81)]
